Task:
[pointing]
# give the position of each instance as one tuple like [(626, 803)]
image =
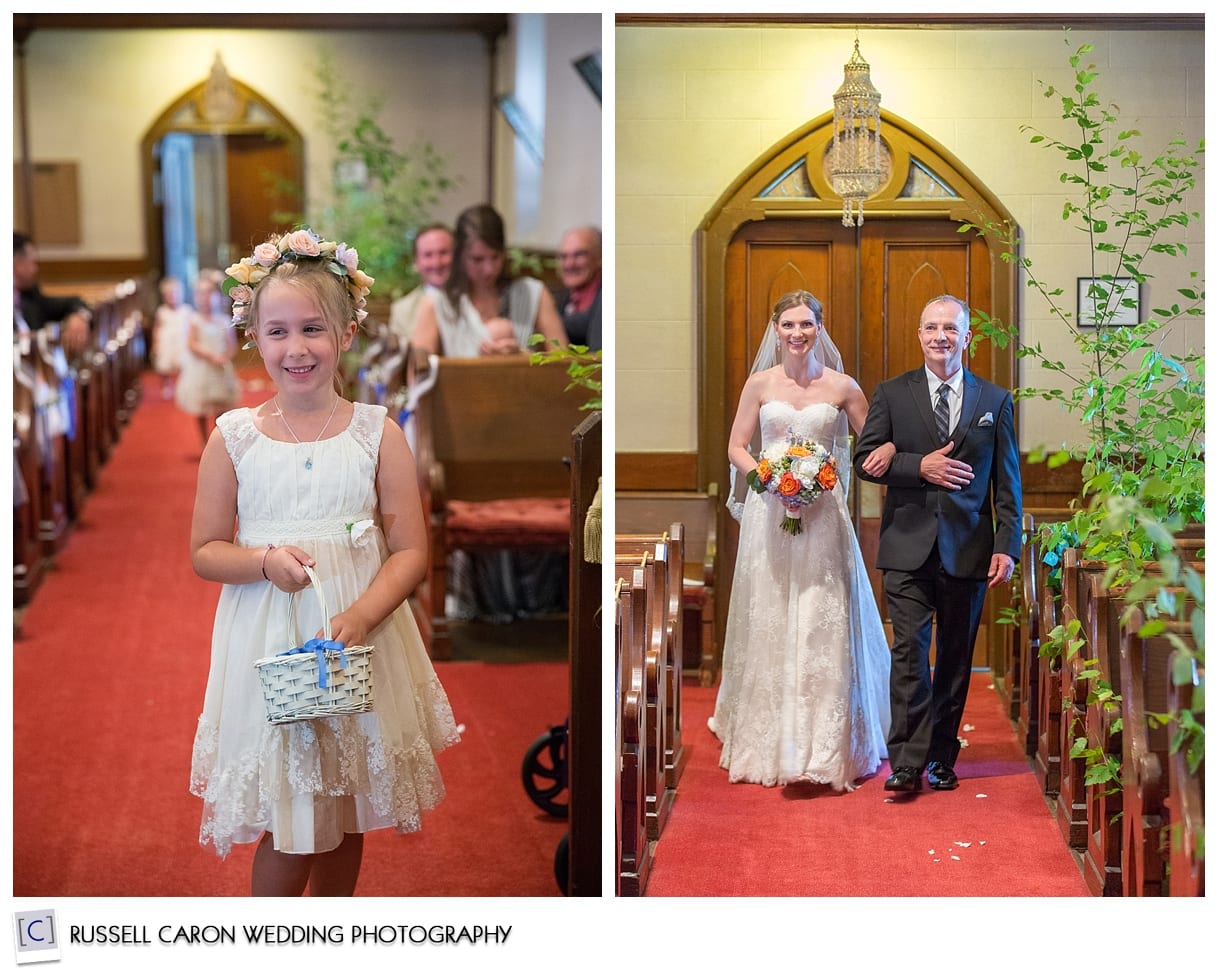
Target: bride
[(804, 689)]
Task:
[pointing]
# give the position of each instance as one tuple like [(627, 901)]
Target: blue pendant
[(309, 463)]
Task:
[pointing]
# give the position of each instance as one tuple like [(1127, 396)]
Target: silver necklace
[(284, 419)]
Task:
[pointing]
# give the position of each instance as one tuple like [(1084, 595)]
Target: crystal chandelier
[(854, 163)]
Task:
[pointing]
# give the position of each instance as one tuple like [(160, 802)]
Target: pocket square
[(986, 419)]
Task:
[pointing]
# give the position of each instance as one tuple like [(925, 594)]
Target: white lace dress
[(804, 689), (310, 782)]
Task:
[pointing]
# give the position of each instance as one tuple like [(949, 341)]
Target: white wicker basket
[(291, 683)]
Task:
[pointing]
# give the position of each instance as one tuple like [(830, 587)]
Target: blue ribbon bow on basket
[(319, 646)]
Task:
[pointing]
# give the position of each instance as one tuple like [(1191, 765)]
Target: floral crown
[(297, 246)]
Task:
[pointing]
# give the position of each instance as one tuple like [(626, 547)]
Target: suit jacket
[(404, 313), (583, 327), (970, 524), (39, 309)]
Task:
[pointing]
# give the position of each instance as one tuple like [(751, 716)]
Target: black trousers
[(926, 710)]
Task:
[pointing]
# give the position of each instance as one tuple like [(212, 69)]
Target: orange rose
[(827, 476), (799, 451), (764, 472), (788, 485)]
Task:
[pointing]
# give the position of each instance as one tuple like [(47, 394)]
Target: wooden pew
[(50, 433), (1144, 757), (494, 440), (27, 466), (634, 849), (131, 337), (1023, 662), (1085, 597), (652, 513), (1047, 762), (654, 569), (584, 653), (1103, 731), (382, 369), (1092, 721), (672, 543), (1185, 801)]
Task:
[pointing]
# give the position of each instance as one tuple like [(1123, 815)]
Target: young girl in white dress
[(207, 386), (169, 334), (311, 479), (804, 689)]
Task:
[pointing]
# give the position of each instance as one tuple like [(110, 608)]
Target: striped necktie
[(943, 414)]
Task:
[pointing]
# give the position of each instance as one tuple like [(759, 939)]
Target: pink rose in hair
[(303, 243), (266, 253), (241, 294), (348, 257)]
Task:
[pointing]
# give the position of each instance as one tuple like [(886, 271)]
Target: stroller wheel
[(544, 771)]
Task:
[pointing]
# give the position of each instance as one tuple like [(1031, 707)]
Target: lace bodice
[(279, 497)]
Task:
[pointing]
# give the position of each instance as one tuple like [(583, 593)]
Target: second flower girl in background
[(208, 385), (169, 330)]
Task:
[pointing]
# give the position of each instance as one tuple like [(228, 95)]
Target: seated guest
[(38, 309), (433, 260), (483, 309), (579, 300)]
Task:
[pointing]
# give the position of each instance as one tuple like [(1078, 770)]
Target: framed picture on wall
[(1121, 307)]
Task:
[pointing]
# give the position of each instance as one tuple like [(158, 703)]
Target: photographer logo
[(35, 936)]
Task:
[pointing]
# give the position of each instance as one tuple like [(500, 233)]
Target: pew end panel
[(653, 512), (1023, 664), (669, 546), (584, 654), (1185, 803)]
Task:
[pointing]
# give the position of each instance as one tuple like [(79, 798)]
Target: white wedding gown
[(804, 689)]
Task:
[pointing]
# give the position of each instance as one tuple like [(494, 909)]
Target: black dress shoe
[(940, 775), (904, 780)]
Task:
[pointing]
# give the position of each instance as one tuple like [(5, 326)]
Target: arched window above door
[(906, 175), (223, 167)]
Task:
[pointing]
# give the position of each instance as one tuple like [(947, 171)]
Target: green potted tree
[(1141, 407)]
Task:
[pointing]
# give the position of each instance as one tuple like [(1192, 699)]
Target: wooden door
[(873, 281), (263, 187)]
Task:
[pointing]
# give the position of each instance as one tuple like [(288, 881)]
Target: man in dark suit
[(950, 530), (36, 309)]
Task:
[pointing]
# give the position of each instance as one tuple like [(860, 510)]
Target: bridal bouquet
[(796, 470)]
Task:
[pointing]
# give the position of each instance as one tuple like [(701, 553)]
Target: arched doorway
[(222, 168), (778, 227)]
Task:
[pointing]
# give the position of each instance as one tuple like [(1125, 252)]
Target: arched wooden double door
[(873, 280)]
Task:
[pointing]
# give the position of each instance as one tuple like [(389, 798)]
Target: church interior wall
[(697, 105), (94, 93)]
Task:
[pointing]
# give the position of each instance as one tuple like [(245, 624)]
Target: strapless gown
[(804, 688)]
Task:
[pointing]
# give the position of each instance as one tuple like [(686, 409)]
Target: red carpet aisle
[(108, 681), (993, 836)]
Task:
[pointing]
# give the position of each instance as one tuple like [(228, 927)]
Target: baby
[(501, 337)]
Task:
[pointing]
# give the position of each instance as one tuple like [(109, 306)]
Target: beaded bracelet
[(269, 547)]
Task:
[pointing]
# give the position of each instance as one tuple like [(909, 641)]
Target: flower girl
[(311, 479)]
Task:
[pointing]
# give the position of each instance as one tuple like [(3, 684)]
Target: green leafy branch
[(583, 366)]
